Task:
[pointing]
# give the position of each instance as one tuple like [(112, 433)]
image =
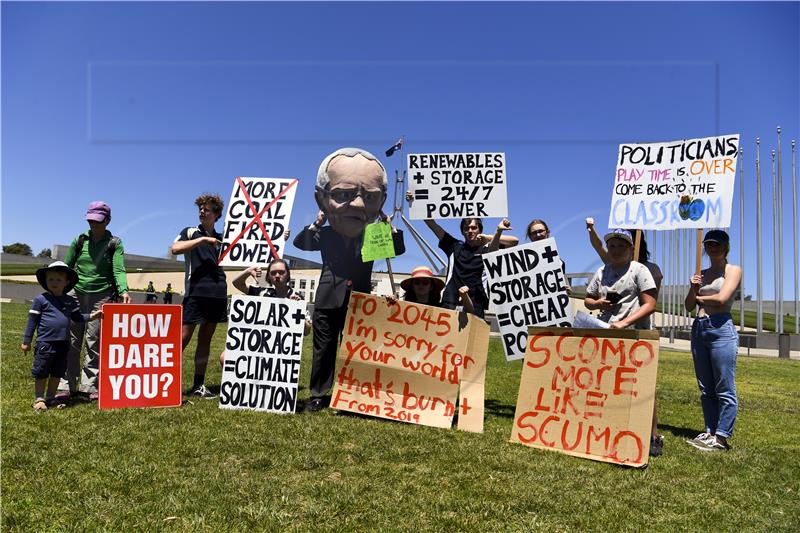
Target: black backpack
[(111, 247)]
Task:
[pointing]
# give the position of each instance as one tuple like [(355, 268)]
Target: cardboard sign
[(262, 354), (256, 221), (588, 393), (378, 243), (411, 363), (457, 185), (140, 356), (527, 288), (675, 185)]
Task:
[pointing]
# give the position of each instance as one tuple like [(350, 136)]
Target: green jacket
[(95, 272)]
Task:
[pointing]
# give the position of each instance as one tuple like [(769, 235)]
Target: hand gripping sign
[(413, 363), (457, 185), (140, 356), (262, 354), (588, 393), (527, 288), (256, 221), (675, 185)]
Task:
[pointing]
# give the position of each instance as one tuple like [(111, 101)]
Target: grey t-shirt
[(628, 282)]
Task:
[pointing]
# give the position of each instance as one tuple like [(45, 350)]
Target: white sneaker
[(203, 392), (702, 441), (715, 444)]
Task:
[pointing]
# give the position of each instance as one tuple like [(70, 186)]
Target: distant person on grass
[(279, 276), (205, 300), (50, 317), (151, 296), (168, 292), (98, 258), (715, 342), (350, 192)]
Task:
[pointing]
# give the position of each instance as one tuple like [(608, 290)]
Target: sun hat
[(422, 272), (98, 211), (717, 235), (58, 266), (619, 233)]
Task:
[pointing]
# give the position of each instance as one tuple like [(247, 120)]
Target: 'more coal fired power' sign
[(256, 221)]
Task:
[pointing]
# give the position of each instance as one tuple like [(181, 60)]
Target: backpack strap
[(78, 249)]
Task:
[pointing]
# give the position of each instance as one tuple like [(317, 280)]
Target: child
[(50, 314)]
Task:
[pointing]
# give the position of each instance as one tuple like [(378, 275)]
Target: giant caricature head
[(351, 190)]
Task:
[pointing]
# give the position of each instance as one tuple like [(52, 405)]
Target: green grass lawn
[(199, 468)]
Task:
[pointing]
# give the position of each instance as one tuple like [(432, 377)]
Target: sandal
[(56, 402), (39, 404)]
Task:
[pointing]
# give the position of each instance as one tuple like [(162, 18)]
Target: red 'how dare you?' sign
[(140, 356)]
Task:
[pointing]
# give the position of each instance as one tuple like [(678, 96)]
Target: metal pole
[(741, 239), (668, 264), (775, 241), (759, 285), (794, 231), (664, 283), (779, 215)]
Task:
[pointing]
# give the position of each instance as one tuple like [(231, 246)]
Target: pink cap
[(98, 211)]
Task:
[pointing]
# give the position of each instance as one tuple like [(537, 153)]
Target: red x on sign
[(256, 218)]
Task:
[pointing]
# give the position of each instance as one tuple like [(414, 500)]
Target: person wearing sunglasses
[(350, 192)]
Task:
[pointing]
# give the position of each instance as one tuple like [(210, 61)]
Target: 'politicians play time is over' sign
[(675, 185)]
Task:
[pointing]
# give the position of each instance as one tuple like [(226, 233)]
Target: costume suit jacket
[(342, 268)]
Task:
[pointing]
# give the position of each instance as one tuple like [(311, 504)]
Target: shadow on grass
[(496, 408), (680, 432)]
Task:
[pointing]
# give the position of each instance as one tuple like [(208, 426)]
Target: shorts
[(50, 359), (204, 310)]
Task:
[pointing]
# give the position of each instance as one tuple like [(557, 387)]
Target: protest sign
[(588, 393), (140, 356), (378, 243), (262, 354), (675, 185), (256, 221), (458, 185), (411, 362), (527, 288)]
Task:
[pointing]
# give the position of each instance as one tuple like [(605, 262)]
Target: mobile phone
[(613, 297)]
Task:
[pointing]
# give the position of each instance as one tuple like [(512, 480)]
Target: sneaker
[(202, 392), (715, 444), (701, 441), (62, 395), (94, 396), (656, 446)]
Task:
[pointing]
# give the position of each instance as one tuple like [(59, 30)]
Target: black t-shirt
[(204, 277), (465, 268), (254, 290)]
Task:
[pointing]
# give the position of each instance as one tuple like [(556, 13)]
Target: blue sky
[(146, 105)]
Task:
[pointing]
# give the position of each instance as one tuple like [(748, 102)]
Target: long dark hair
[(644, 254)]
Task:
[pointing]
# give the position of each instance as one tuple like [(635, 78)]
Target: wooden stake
[(637, 242), (698, 257)]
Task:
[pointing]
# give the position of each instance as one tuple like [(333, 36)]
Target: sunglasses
[(345, 196)]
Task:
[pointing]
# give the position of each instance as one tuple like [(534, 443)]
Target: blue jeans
[(715, 344)]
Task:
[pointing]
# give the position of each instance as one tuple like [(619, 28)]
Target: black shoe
[(656, 446), (315, 405), (202, 392)]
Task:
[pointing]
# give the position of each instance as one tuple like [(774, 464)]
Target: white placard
[(256, 221), (457, 185), (262, 354), (675, 185), (527, 287)]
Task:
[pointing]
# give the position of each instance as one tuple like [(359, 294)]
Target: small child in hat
[(50, 316)]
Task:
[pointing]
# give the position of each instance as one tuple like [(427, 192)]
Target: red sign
[(140, 356)]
